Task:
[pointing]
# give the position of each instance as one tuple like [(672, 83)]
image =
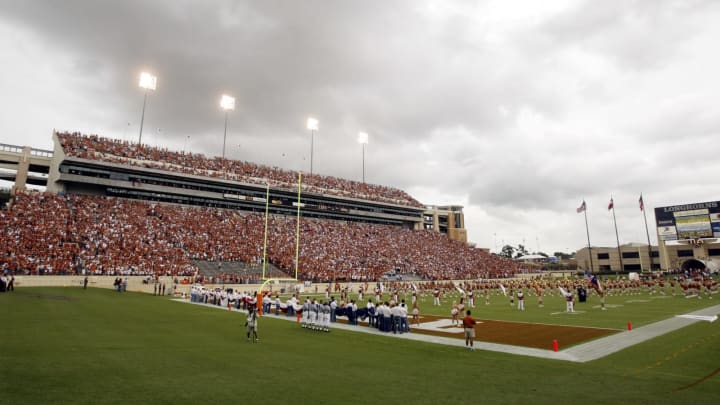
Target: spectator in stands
[(53, 234), (114, 151)]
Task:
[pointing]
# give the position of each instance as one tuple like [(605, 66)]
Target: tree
[(507, 251), (521, 251), (563, 256)]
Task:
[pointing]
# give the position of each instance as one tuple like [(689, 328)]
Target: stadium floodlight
[(187, 138), (313, 125), (363, 139), (148, 81), (227, 103)]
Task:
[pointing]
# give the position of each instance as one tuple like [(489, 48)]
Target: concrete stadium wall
[(135, 283)]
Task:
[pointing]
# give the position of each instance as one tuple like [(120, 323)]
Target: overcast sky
[(515, 110)]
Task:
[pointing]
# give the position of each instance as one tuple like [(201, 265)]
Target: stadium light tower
[(312, 125), (363, 139), (227, 103), (148, 81)]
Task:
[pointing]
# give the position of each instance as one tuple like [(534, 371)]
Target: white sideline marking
[(698, 317)]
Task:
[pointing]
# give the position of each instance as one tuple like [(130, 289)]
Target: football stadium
[(135, 275), (328, 202)]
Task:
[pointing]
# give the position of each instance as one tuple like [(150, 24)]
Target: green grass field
[(62, 345)]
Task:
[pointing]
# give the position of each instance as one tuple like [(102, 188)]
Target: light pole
[(363, 139), (227, 103), (187, 138), (147, 82), (312, 125)]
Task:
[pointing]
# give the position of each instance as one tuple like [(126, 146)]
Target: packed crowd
[(115, 151), (67, 234)]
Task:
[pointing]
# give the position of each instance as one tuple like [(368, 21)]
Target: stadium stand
[(45, 233), (94, 147)]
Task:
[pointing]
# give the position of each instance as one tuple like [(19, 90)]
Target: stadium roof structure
[(95, 165), (530, 258)]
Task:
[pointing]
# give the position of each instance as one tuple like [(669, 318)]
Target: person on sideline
[(251, 323), (469, 326)]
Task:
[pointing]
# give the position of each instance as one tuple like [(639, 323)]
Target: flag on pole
[(642, 205), (502, 287), (582, 207), (594, 282), (611, 205)]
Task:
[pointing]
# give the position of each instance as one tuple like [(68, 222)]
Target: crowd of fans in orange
[(115, 151), (45, 233)]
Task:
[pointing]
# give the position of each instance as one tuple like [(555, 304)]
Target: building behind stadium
[(688, 238)]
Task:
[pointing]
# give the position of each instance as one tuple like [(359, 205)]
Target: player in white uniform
[(305, 313), (569, 302), (521, 300), (326, 316), (313, 315)]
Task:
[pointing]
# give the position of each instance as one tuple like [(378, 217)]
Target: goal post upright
[(267, 210), (297, 228), (265, 279)]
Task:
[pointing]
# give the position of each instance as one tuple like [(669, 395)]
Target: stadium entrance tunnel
[(694, 264)]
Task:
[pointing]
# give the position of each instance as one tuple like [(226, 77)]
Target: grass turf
[(62, 345)]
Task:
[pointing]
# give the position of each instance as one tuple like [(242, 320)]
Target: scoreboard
[(688, 221)]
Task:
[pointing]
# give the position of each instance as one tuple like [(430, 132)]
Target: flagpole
[(617, 238), (647, 232), (587, 230)]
